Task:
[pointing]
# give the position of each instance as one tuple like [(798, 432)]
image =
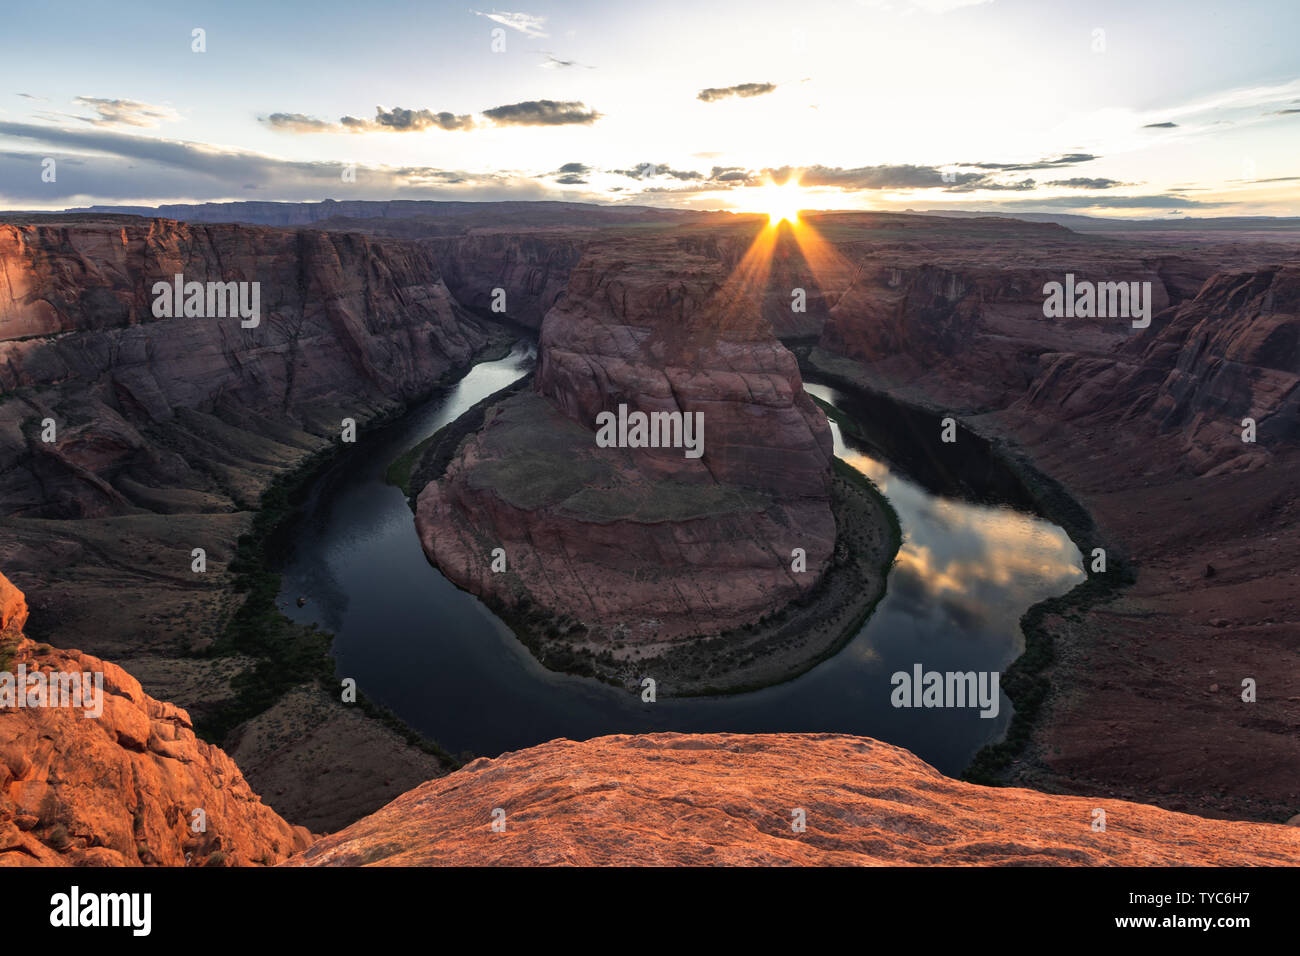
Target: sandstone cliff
[(723, 799), (119, 789), (951, 312)]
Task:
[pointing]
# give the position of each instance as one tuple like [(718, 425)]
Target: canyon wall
[(1230, 353), (951, 312), (532, 269), (348, 325)]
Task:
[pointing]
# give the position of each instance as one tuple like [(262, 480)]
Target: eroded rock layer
[(724, 799)]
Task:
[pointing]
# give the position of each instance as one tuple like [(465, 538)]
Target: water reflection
[(966, 573)]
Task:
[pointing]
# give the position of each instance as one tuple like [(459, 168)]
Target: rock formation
[(121, 788), (643, 545), (724, 799)]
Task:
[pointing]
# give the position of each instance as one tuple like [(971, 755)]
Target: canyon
[(172, 431)]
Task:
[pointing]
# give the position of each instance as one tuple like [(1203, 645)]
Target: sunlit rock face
[(649, 542), (762, 800), (120, 787)]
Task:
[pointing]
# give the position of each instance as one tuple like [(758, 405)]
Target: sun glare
[(781, 203)]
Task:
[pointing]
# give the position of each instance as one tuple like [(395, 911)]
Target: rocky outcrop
[(724, 799), (642, 545), (121, 787)]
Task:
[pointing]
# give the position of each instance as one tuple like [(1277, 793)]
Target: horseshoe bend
[(633, 552)]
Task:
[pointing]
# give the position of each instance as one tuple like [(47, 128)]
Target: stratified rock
[(119, 789), (731, 799), (531, 270), (643, 544)]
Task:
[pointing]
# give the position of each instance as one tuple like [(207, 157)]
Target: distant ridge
[(308, 213)]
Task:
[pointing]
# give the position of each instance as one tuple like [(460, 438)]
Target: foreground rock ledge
[(119, 789), (667, 799)]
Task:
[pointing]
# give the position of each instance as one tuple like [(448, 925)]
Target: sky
[(1136, 109)]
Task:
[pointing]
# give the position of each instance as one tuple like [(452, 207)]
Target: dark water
[(446, 665)]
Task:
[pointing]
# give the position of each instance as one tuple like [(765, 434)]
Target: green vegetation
[(400, 469), (1026, 681)]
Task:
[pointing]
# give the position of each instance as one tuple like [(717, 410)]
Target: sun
[(781, 203)]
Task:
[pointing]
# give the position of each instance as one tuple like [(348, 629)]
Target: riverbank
[(1026, 680), (317, 760)]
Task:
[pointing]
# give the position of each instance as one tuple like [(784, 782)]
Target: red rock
[(643, 544), (119, 790), (729, 799)]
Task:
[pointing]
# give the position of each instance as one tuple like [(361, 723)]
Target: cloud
[(1069, 159), (929, 6), (404, 120), (527, 24), (113, 167), (542, 113), (1161, 126), (396, 120), (872, 177), (124, 112), (653, 170), (571, 174), (300, 123), (713, 94), (730, 174), (553, 62), (991, 185), (1080, 182), (1283, 112), (1116, 202)]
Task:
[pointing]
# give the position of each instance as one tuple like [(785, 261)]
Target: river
[(972, 561)]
